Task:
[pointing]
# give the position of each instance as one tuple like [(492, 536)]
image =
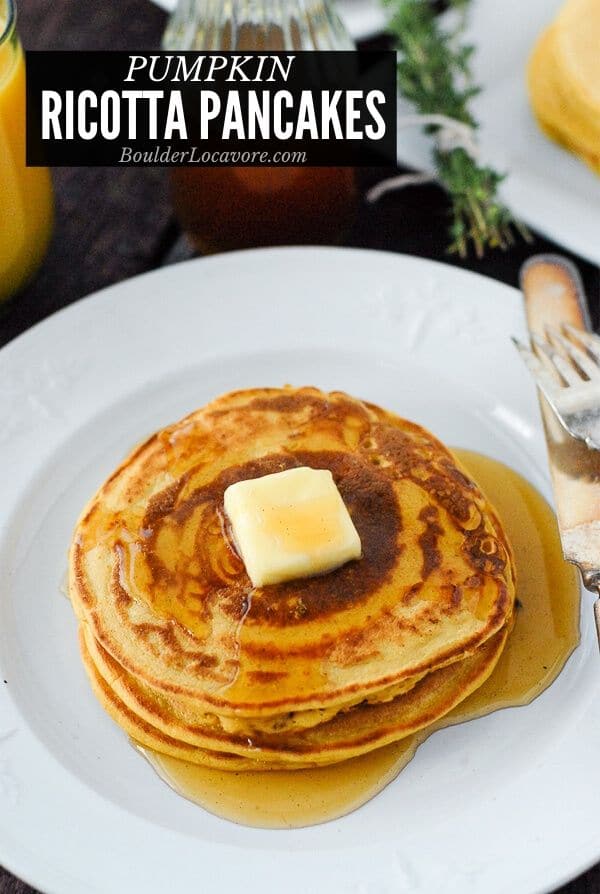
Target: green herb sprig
[(434, 75)]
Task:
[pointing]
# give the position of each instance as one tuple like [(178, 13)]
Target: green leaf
[(434, 75)]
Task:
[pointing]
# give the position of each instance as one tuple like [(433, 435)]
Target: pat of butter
[(290, 524)]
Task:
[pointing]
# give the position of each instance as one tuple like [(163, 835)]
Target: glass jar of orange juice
[(25, 193)]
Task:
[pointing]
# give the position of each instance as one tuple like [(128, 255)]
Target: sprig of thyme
[(434, 75)]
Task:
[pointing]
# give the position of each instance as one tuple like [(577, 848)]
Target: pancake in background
[(564, 80)]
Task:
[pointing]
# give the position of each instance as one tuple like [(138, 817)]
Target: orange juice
[(25, 193)]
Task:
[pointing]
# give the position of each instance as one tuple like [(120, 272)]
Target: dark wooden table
[(112, 224)]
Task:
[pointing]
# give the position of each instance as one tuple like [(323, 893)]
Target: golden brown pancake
[(194, 713), (563, 78), (156, 580), (153, 721)]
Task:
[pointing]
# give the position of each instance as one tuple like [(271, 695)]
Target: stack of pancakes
[(564, 80), (194, 662)]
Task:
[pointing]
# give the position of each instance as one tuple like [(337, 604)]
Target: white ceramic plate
[(508, 802), (363, 18), (546, 186)]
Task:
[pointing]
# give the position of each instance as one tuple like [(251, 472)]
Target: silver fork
[(566, 367)]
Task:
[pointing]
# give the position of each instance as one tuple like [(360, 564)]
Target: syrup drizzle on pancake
[(158, 586), (545, 633)]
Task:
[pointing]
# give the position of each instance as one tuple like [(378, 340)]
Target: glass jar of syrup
[(224, 208)]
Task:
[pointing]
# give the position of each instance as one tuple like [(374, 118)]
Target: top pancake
[(155, 576)]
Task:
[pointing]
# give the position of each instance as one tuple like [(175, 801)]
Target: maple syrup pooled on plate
[(545, 633)]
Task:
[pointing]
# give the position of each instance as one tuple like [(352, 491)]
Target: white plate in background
[(505, 803)]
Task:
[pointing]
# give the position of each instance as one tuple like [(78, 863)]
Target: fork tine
[(589, 340), (581, 358), (567, 372), (544, 379)]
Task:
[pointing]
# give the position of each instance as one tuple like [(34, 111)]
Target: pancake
[(153, 721), (155, 578), (555, 103), (194, 714), (578, 39), (563, 77)]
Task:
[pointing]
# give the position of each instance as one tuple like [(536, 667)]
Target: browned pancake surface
[(155, 576)]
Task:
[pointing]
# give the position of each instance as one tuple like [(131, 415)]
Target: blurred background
[(111, 224)]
